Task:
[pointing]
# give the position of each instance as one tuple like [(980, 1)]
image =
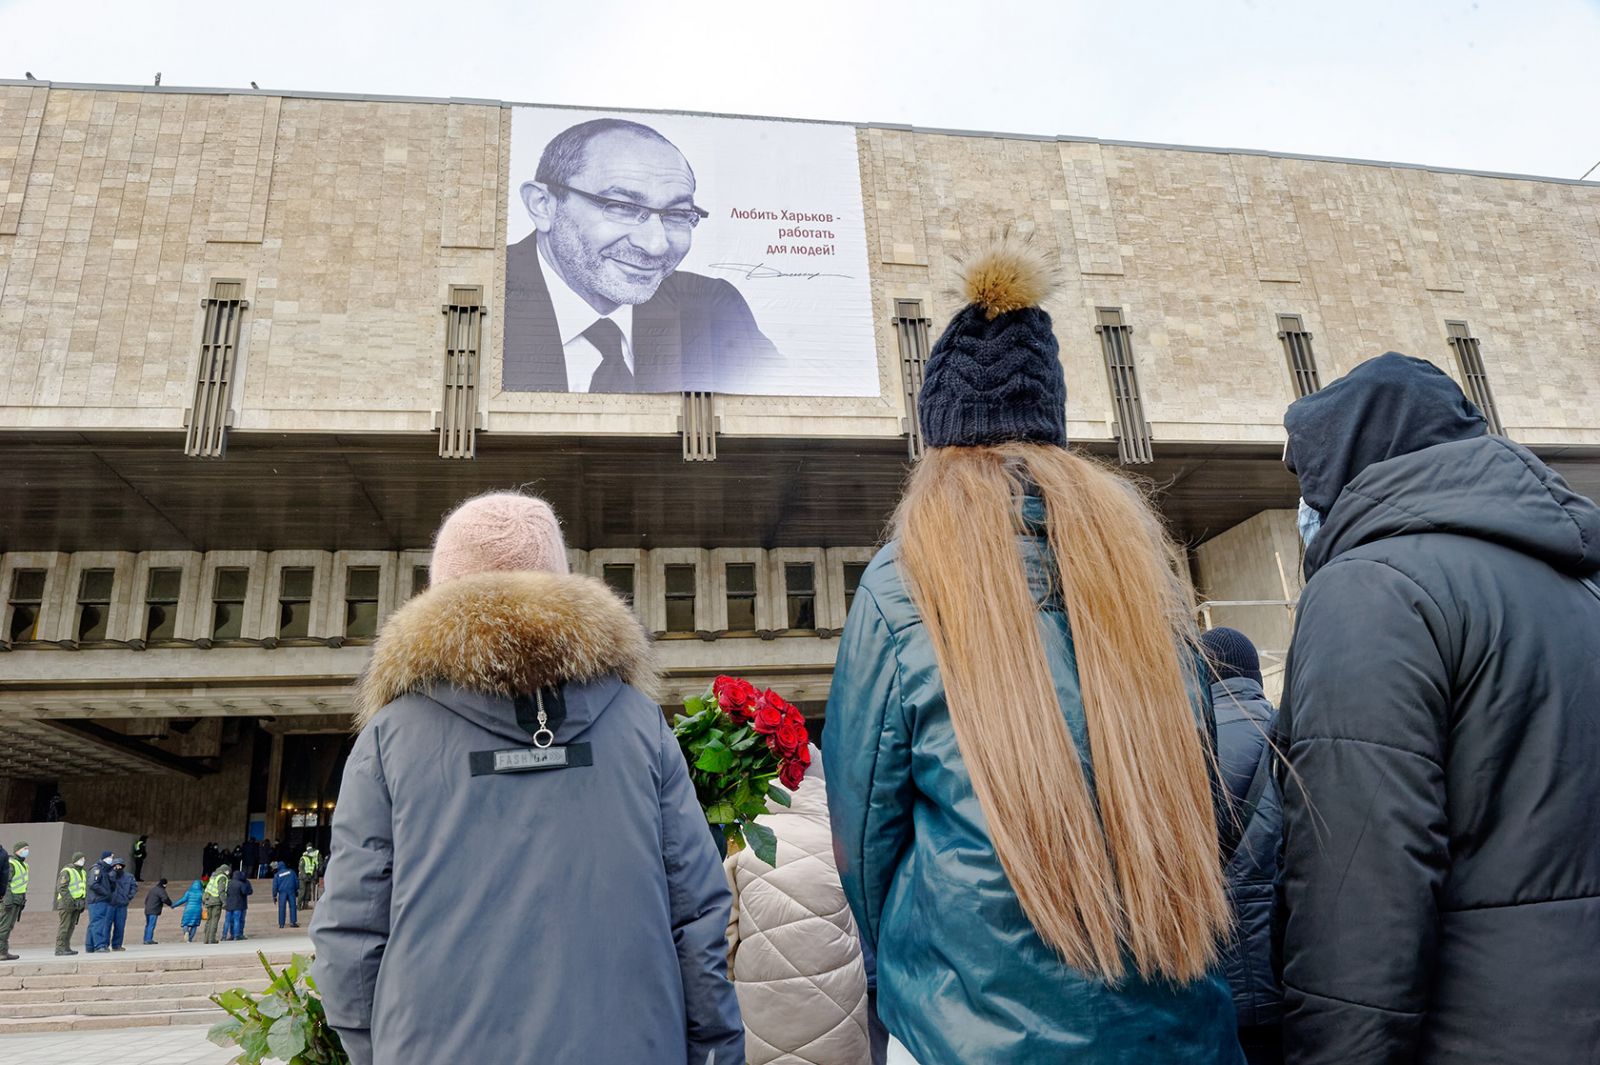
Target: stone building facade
[(343, 225)]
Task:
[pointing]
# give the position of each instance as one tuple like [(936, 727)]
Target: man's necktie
[(613, 374)]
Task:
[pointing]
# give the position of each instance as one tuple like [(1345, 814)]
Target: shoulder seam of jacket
[(1527, 902), (1351, 1002), (1371, 743), (1583, 541)]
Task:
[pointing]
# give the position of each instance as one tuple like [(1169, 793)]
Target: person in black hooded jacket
[(1441, 890)]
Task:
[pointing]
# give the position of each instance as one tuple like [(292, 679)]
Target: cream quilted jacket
[(792, 947)]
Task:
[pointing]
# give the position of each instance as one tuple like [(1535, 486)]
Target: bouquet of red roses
[(738, 740)]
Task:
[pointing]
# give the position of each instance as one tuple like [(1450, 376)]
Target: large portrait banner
[(685, 253)]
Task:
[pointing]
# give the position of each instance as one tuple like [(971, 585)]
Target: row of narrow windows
[(230, 588)]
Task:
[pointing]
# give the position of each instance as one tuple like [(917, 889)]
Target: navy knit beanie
[(1231, 654), (995, 375)]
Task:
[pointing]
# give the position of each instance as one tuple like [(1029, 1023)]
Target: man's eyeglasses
[(633, 214)]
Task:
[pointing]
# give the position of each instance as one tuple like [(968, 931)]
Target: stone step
[(256, 983), (106, 1009), (72, 1022), (51, 981), (98, 965)]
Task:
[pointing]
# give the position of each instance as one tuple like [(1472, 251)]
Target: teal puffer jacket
[(963, 978)]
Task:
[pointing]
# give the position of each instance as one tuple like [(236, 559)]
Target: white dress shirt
[(573, 317)]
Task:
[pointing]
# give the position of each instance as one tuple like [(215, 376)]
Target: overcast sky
[(1508, 85)]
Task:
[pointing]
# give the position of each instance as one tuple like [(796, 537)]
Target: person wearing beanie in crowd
[(123, 890), (154, 901), (1022, 803), (793, 953), (72, 893), (1252, 834), (193, 903), (508, 728), (1442, 859), (13, 895)]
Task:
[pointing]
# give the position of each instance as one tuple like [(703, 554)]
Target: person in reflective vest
[(216, 894), (140, 852), (309, 861), (72, 890), (14, 897)]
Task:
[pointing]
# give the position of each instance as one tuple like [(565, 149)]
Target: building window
[(227, 603), (680, 598), (853, 572), (27, 602), (219, 353), (419, 579), (911, 329), (94, 603), (294, 602), (619, 578), (1470, 358), (741, 597), (458, 411), (361, 602), (1297, 347), (1116, 343), (800, 585), (161, 604)]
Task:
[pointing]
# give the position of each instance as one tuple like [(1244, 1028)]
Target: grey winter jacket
[(573, 914), (1442, 709), (1245, 718)]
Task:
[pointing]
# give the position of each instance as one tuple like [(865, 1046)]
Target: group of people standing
[(1066, 825)]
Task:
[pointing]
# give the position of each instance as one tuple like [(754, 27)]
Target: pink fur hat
[(498, 532)]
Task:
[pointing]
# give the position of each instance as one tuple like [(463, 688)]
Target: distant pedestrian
[(14, 896), (210, 858), (252, 857), (140, 850), (216, 894), (56, 810), (310, 863), (193, 903), (72, 891), (1252, 838), (126, 888), (155, 899), (102, 885), (285, 886), (238, 901)]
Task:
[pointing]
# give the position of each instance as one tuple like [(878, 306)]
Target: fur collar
[(506, 633)]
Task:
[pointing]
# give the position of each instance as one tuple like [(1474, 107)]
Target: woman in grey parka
[(520, 870)]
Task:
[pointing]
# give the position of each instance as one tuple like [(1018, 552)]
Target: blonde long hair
[(1131, 870)]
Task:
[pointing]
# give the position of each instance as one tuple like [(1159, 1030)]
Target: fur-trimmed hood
[(505, 634)]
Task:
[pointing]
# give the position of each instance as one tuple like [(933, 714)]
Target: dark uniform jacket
[(155, 899), (239, 892), (1442, 865)]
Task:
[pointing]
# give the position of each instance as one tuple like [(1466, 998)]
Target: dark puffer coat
[(1254, 829), (1442, 864)]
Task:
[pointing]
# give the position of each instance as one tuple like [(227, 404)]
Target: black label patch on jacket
[(530, 759)]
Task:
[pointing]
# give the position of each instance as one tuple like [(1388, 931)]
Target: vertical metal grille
[(210, 416), (911, 329), (1297, 346), (1470, 358), (1131, 430), (699, 427), (458, 404)]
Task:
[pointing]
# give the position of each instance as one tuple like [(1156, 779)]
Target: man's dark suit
[(696, 334)]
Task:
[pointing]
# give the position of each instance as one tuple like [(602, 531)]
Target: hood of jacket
[(494, 636), (1386, 407), (1486, 487)]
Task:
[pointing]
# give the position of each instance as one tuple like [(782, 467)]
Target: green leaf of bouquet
[(694, 704), (763, 841), (226, 1032), (779, 795), (287, 1037), (233, 1000), (721, 813), (253, 1041), (272, 1006), (715, 759)]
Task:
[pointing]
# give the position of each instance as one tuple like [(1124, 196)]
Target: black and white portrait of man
[(595, 301)]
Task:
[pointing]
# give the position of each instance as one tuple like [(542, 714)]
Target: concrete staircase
[(82, 994)]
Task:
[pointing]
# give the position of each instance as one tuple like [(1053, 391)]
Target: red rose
[(791, 775), (767, 717), (804, 757), (736, 697), (791, 738)]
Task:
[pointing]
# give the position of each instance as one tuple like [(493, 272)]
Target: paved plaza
[(168, 1045)]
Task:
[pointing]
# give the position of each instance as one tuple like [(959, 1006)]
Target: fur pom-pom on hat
[(1007, 276)]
